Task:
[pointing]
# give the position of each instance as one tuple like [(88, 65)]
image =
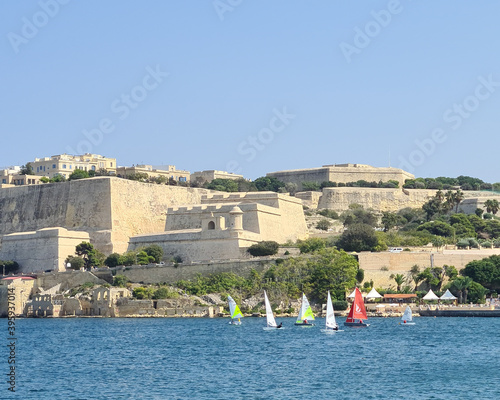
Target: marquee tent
[(447, 296), (430, 296)]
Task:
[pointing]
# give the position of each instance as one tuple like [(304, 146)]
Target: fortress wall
[(110, 209), (140, 208), (41, 250), (339, 199), (309, 199), (78, 205), (379, 266), (198, 245), (171, 274), (342, 174)]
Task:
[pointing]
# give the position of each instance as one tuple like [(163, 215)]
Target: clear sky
[(254, 86)]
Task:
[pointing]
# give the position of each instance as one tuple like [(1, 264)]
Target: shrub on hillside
[(265, 248)]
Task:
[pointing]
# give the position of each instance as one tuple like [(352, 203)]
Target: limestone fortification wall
[(41, 250), (139, 208), (342, 173), (171, 274), (379, 266), (340, 198), (110, 209)]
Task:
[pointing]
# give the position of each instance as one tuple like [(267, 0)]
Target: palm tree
[(467, 284), (415, 275), (458, 197), (492, 206), (399, 279), (450, 200), (458, 284)]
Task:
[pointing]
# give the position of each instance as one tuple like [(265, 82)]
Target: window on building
[(211, 225), (64, 166), (4, 180), (53, 166), (93, 167), (111, 164), (182, 179)]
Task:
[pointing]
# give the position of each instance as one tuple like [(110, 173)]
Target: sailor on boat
[(280, 325)]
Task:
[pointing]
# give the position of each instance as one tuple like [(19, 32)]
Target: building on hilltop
[(12, 176), (225, 225), (210, 175), (65, 164), (342, 173), (169, 173)]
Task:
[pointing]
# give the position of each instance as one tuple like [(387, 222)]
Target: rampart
[(110, 209), (343, 173), (339, 198)]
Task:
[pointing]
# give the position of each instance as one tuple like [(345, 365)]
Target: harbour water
[(70, 359)]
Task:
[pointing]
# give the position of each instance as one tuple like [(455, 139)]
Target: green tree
[(129, 258), (75, 262), (324, 224), (311, 245), (311, 186), (154, 251), (78, 174), (358, 237), (27, 169), (399, 279), (358, 215), (492, 206), (112, 260), (120, 281), (485, 271), (360, 276), (223, 185), (143, 258), (479, 212), (8, 267), (391, 220), (141, 293), (266, 183), (264, 248), (438, 228), (331, 270)]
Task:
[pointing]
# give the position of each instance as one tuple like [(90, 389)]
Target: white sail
[(407, 315), (330, 314), (234, 310), (305, 311), (271, 322)]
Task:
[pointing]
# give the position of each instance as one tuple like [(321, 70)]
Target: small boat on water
[(235, 312), (271, 322), (357, 314), (407, 317), (330, 324), (305, 314)]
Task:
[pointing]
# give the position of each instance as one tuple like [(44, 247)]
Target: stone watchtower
[(236, 221)]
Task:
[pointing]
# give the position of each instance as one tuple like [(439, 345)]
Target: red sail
[(358, 310)]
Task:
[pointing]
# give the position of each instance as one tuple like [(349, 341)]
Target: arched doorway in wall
[(211, 225)]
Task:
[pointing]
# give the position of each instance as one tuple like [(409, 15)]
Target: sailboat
[(271, 322), (357, 313), (331, 324), (235, 312), (305, 315), (407, 317)]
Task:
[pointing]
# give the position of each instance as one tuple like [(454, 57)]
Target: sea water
[(174, 358)]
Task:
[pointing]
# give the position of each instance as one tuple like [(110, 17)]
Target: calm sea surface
[(438, 358)]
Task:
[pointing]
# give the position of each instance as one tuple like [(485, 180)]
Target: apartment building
[(65, 164)]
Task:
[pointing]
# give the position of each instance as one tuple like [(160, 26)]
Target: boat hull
[(303, 324), (356, 324)]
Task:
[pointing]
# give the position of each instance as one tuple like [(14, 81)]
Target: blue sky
[(254, 86)]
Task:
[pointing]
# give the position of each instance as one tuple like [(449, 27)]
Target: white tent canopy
[(447, 296), (430, 296), (373, 294), (351, 296)]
